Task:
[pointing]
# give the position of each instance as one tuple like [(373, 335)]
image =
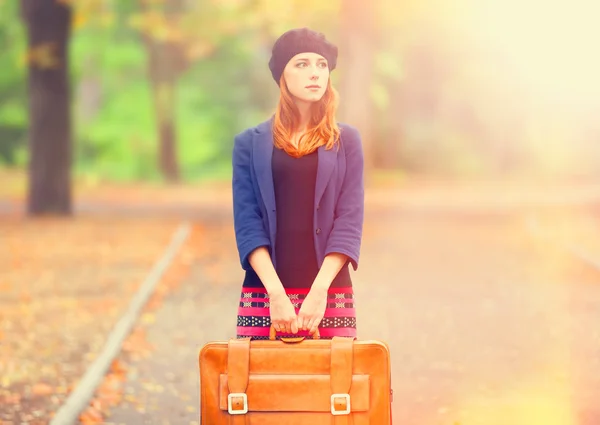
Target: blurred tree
[(207, 77), (48, 25), (357, 40), (166, 61), (176, 34)]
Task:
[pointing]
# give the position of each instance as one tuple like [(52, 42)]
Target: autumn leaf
[(42, 389), (198, 50), (91, 416), (47, 341), (147, 318), (43, 56), (117, 368), (12, 398), (79, 20)]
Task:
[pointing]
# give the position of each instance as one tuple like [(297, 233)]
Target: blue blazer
[(339, 195)]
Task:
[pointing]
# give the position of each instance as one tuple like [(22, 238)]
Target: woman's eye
[(321, 65)]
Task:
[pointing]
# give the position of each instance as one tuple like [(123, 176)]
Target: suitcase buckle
[(346, 411), (230, 408)]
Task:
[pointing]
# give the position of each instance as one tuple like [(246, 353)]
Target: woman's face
[(306, 76)]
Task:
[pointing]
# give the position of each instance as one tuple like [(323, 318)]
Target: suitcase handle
[(273, 333)]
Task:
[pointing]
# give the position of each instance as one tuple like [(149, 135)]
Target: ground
[(487, 295)]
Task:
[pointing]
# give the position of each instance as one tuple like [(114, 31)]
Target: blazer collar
[(263, 153)]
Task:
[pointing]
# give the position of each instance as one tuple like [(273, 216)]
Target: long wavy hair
[(322, 128)]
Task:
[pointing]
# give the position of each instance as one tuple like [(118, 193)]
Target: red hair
[(322, 128)]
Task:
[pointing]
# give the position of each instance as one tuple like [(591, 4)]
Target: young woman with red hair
[(298, 201)]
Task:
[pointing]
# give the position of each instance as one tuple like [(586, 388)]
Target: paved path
[(486, 325)]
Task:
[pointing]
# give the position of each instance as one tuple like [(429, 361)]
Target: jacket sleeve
[(346, 234), (249, 230)]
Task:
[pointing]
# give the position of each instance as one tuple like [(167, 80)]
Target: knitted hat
[(296, 41)]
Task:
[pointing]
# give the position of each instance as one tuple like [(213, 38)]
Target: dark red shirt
[(294, 182)]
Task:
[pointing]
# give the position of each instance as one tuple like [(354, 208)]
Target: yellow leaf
[(107, 19), (43, 56), (198, 50), (136, 21), (148, 318), (79, 20)]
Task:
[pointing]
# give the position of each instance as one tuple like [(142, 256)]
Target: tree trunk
[(356, 69), (48, 29), (165, 64), (163, 88)]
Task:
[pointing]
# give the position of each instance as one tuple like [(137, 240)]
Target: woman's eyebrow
[(307, 59)]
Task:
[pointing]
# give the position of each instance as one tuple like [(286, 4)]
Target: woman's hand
[(313, 309), (283, 314)]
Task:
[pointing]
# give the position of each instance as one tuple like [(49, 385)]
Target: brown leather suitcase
[(295, 381)]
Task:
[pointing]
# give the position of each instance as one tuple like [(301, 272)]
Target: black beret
[(296, 41)]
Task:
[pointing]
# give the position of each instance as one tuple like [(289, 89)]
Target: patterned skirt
[(254, 318)]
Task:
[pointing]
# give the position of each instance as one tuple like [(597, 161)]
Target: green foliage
[(115, 132), (119, 142), (13, 119), (447, 102)]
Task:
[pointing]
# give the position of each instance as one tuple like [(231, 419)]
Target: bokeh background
[(461, 89), (480, 255)]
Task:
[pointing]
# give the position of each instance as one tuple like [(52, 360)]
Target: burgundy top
[(294, 182)]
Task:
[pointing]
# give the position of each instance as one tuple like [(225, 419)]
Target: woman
[(298, 201)]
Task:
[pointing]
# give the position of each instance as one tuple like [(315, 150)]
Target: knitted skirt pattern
[(254, 318)]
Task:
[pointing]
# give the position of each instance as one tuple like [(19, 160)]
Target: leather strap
[(341, 375), (273, 336), (238, 369)]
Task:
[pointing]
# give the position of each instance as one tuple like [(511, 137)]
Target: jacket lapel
[(327, 161), (262, 154)]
